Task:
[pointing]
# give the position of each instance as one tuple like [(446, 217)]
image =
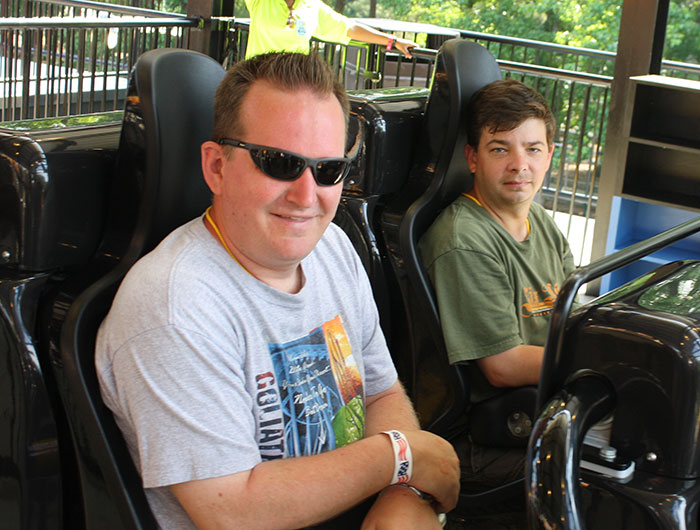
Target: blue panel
[(632, 221)]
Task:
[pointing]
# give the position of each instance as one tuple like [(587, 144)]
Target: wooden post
[(639, 51), (210, 37)]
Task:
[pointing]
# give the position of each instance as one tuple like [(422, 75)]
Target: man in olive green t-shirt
[(496, 259)]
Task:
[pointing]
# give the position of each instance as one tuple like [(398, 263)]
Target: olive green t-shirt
[(493, 292)]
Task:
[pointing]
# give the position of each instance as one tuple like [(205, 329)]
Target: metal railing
[(74, 57)]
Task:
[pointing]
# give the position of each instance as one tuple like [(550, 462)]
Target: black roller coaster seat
[(158, 186), (440, 173)]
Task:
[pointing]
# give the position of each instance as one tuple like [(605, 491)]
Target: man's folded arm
[(298, 492), (517, 366)]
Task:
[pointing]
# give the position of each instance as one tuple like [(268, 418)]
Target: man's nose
[(302, 191), (518, 161)]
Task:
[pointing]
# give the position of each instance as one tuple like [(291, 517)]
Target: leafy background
[(584, 23)]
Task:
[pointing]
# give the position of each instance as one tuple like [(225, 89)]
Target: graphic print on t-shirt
[(320, 390), (539, 302)]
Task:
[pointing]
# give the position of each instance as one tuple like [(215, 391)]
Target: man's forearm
[(365, 33), (291, 492), (390, 410), (268, 496), (518, 366)]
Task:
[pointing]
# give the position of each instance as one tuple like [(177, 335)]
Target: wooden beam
[(639, 51)]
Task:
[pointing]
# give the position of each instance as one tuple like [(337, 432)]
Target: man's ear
[(549, 157), (212, 164), (470, 155)]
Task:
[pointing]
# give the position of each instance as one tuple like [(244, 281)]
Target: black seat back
[(158, 186), (439, 175)]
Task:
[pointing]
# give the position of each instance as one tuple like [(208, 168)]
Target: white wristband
[(403, 463)]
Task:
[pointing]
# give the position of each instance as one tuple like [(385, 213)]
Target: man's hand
[(365, 33), (399, 508), (435, 463), (405, 46), (435, 468)]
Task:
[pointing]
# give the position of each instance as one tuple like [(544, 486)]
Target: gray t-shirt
[(209, 371)]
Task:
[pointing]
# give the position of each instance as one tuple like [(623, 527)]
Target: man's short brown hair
[(502, 106), (286, 71)]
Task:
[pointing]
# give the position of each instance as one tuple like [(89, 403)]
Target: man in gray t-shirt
[(243, 358)]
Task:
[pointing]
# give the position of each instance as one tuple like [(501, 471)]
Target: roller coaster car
[(616, 442), (80, 204)]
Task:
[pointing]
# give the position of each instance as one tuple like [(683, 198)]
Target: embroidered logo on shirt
[(539, 302)]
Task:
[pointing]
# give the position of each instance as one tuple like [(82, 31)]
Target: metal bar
[(63, 47), (564, 148), (68, 65), (558, 48), (550, 380), (26, 64), (95, 22), (113, 8), (118, 55), (81, 69), (565, 142), (47, 39), (105, 70), (51, 81), (37, 62), (683, 67), (554, 73), (579, 155), (93, 71), (592, 165)]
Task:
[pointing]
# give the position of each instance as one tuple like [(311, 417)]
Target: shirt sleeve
[(380, 372), (187, 412), (475, 302), (332, 26)]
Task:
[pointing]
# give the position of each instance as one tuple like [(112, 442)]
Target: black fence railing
[(74, 57)]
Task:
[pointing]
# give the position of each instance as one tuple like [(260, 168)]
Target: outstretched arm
[(365, 33)]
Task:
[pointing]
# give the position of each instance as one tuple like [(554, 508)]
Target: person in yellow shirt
[(288, 25)]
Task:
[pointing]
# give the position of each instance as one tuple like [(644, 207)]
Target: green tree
[(683, 31), (580, 23), (584, 23)]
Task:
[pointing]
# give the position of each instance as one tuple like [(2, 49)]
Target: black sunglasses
[(285, 165)]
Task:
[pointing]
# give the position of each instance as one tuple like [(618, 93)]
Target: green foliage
[(171, 6), (683, 31), (581, 23), (174, 6), (584, 23)]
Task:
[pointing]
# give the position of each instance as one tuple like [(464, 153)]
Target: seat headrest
[(170, 100), (462, 67), (439, 176)]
